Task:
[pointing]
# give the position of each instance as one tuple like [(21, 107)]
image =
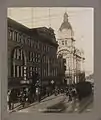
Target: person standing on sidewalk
[(9, 99), (38, 94)]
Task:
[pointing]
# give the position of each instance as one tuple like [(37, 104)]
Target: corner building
[(31, 50), (74, 57)]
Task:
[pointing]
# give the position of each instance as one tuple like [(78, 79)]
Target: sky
[(81, 19)]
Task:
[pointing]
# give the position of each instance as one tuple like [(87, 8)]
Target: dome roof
[(65, 24)]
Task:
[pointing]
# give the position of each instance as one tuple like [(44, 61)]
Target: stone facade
[(72, 55), (31, 50)]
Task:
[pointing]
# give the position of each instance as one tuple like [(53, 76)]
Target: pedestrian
[(23, 98), (38, 93), (9, 99)]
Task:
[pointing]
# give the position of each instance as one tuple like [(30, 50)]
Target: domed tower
[(66, 46), (66, 26)]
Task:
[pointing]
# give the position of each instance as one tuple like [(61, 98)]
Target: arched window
[(65, 42), (18, 68), (62, 42)]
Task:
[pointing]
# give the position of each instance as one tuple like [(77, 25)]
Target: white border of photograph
[(4, 4)]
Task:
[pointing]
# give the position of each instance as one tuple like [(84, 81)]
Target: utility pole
[(49, 18), (32, 16)]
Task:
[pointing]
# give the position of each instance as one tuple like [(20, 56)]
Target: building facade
[(73, 56), (31, 50), (61, 69)]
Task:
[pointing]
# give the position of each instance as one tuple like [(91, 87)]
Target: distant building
[(73, 56), (61, 69), (31, 50)]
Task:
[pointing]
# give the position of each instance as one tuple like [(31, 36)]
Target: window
[(15, 53), (69, 42), (15, 71), (31, 68), (40, 45), (25, 38), (31, 56), (44, 72), (62, 42), (31, 43), (35, 57), (18, 54), (21, 54), (39, 72), (65, 42), (20, 38), (10, 32), (13, 35), (38, 57), (36, 69), (22, 71), (16, 36)]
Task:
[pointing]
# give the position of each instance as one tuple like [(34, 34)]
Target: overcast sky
[(81, 20)]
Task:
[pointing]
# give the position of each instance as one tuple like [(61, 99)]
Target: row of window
[(46, 72), (32, 57), (67, 42), (21, 71), (18, 54), (14, 35)]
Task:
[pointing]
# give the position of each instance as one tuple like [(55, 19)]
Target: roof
[(44, 33), (65, 24)]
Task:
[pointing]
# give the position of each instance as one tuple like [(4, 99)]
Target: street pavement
[(88, 108), (44, 104), (60, 104)]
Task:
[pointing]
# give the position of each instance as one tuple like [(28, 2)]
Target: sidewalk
[(16, 105)]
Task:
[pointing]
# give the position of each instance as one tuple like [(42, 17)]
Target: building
[(31, 50), (61, 69), (73, 56)]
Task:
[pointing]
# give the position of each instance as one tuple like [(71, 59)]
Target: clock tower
[(66, 47)]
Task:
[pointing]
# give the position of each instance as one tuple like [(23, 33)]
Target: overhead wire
[(47, 16)]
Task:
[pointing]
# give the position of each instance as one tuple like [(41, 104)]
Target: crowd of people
[(36, 93), (68, 91), (33, 94)]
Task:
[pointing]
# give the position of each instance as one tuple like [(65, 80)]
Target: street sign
[(52, 81)]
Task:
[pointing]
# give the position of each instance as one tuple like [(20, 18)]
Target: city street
[(57, 104)]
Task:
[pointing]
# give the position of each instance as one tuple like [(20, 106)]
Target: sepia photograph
[(50, 60)]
